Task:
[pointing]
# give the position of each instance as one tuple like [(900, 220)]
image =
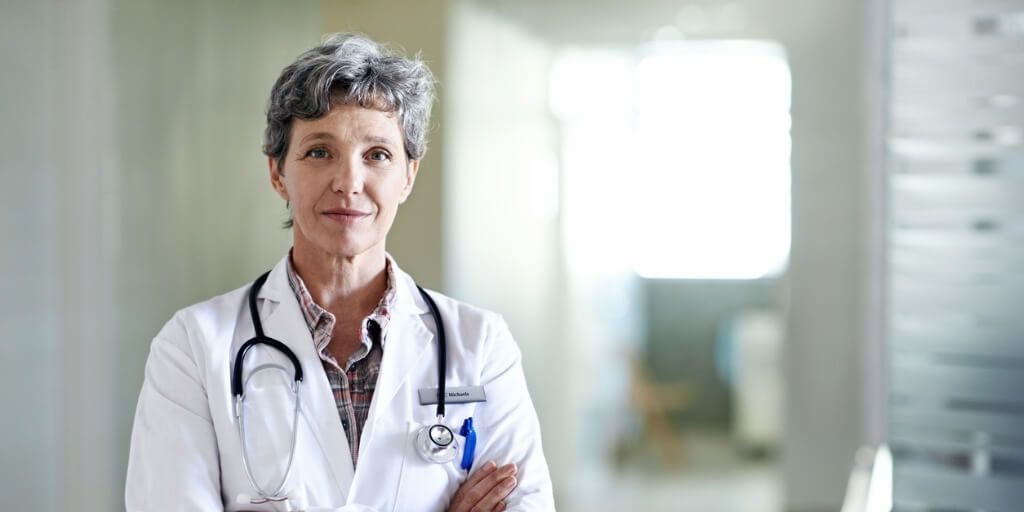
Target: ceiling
[(608, 22)]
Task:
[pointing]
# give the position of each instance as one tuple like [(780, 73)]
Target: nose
[(348, 177)]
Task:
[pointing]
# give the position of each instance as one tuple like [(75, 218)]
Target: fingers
[(497, 494), (500, 507), (487, 486), (460, 502), (485, 489), (479, 474)]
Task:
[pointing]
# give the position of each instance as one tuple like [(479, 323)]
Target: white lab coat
[(185, 449)]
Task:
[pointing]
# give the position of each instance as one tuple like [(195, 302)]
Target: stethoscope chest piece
[(437, 444)]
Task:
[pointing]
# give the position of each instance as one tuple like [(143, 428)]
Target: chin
[(344, 247), (341, 243)]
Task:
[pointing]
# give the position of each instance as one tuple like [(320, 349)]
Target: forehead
[(350, 123)]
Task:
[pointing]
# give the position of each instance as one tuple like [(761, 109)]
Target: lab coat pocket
[(426, 486)]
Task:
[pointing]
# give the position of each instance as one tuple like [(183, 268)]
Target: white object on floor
[(756, 338)]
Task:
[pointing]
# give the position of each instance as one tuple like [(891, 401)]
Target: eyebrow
[(377, 139), (370, 139), (316, 136)]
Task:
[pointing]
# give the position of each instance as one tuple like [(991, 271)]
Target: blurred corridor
[(735, 240)]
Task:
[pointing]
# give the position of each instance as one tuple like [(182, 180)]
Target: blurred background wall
[(134, 186), (29, 281)]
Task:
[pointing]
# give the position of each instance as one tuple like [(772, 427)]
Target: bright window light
[(715, 185), (702, 166)]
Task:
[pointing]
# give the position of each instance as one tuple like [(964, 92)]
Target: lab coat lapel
[(407, 343), (285, 323), (407, 338), (405, 354)]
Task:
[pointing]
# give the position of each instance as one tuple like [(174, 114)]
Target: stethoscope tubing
[(238, 385), (442, 351), (240, 418)]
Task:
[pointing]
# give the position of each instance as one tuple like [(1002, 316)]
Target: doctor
[(339, 410)]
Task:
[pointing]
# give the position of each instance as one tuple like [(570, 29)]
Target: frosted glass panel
[(955, 254)]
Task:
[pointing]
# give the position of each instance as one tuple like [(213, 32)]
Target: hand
[(485, 490)]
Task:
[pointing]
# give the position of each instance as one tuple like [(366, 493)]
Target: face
[(345, 175)]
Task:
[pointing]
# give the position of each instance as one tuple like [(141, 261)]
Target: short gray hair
[(351, 69)]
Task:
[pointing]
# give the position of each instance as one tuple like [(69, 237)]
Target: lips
[(345, 211), (345, 215)]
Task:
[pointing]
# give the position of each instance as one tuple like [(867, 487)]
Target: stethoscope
[(435, 443)]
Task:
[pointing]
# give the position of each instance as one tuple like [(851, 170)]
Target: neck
[(347, 286)]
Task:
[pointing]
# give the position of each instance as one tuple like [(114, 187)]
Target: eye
[(318, 153), (379, 155)]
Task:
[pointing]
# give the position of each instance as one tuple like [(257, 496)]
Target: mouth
[(345, 215)]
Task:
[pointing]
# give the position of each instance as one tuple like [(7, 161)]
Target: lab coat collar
[(407, 298)]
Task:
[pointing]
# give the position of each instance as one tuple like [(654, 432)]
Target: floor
[(713, 477)]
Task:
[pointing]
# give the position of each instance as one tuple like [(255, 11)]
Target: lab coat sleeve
[(173, 463), (507, 427)]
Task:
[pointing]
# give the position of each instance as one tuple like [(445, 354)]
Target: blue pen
[(470, 435)]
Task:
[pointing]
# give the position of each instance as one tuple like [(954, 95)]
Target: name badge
[(456, 395)]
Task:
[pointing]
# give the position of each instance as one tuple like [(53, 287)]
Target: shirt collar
[(313, 312)]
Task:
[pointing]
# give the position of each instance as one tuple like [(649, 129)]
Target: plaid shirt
[(352, 385)]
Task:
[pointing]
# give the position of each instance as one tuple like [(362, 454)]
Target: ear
[(410, 179), (276, 178)]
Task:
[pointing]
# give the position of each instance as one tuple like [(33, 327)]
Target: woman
[(337, 351)]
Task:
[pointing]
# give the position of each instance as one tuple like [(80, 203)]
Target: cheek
[(305, 193), (386, 213), (388, 197)]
